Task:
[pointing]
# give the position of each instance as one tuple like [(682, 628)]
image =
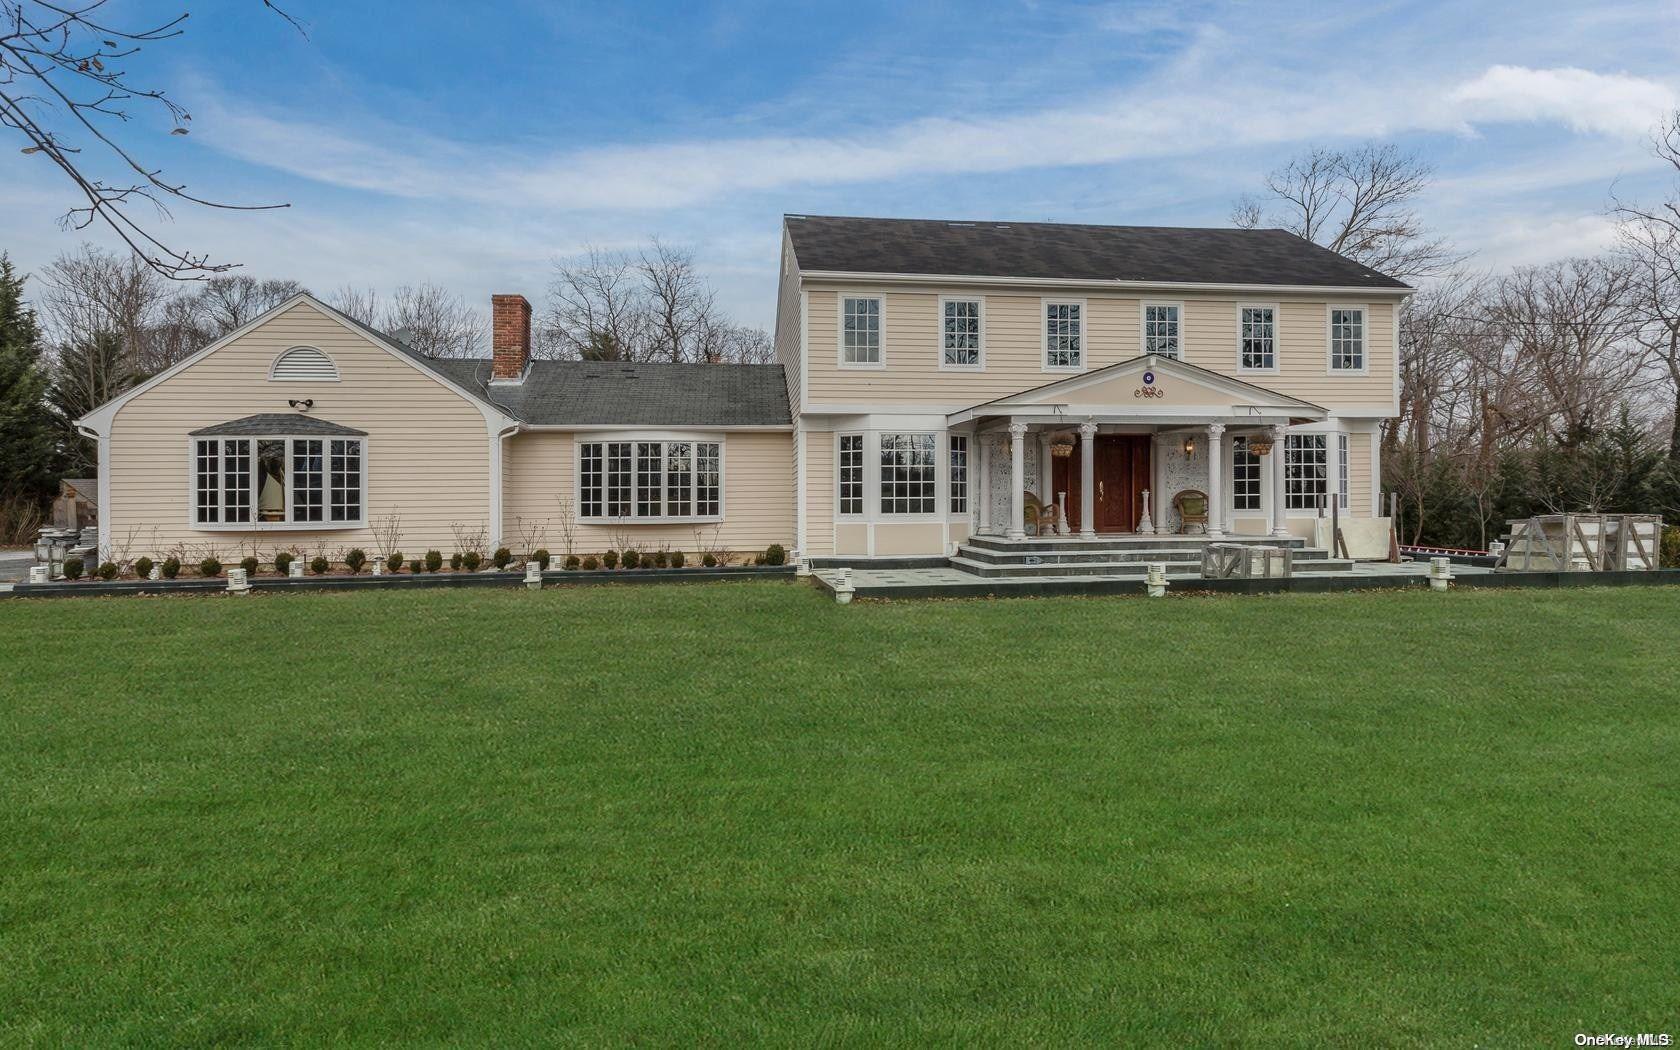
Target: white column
[(1017, 481), (1216, 481), (1046, 494), (1280, 522), (985, 481), (1087, 483)]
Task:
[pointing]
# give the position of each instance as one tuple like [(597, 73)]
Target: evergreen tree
[(29, 458), (89, 372)]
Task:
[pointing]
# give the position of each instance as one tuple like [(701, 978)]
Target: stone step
[(1184, 555), (1175, 570), (1074, 543)]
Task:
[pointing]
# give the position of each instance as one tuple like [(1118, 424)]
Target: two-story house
[(944, 375), (935, 380)]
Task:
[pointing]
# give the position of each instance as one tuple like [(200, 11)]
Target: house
[(934, 381)]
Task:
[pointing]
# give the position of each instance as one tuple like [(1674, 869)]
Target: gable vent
[(304, 363)]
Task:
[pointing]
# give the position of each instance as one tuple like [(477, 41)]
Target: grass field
[(740, 813)]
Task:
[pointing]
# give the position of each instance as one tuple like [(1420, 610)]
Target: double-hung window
[(1245, 477), (959, 473), (860, 331), (1342, 470), (850, 473), (650, 480), (278, 482), (1306, 470), (1160, 329), (1064, 335), (959, 333), (1259, 338), (908, 471), (1347, 339)]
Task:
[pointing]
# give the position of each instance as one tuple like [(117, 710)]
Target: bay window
[(676, 480), (907, 474), (1306, 471), (959, 473), (850, 473), (263, 481)]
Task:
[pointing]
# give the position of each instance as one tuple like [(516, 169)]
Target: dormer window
[(304, 364)]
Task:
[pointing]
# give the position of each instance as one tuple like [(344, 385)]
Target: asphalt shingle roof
[(1165, 254), (277, 423), (624, 393)]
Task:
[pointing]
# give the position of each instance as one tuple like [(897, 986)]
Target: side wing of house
[(300, 431)]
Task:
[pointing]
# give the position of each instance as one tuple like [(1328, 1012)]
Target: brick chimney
[(510, 337)]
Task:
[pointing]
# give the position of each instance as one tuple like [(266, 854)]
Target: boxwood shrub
[(610, 559), (72, 568), (283, 561), (354, 559), (209, 567), (250, 565), (501, 558), (319, 565), (108, 570), (434, 561), (572, 561), (541, 557), (171, 567), (471, 561), (143, 567), (395, 562), (589, 564)]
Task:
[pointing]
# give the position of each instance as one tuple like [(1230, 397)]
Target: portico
[(1109, 450)]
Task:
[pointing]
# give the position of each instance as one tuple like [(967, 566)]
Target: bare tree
[(361, 303), (434, 321), (64, 88), (230, 302), (1650, 242), (1358, 202), (596, 309), (679, 304)]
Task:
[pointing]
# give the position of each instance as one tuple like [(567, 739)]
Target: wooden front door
[(1121, 473)]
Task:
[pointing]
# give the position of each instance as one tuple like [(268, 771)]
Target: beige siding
[(1014, 347), (427, 454), (1359, 475), (758, 498), (789, 324), (819, 492)]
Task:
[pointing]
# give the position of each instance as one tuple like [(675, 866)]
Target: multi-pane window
[(1306, 471), (1259, 337), (1064, 335), (959, 473), (1342, 470), (1160, 329), (851, 473), (960, 333), (345, 484), (1245, 476), (650, 480), (907, 474), (860, 331), (277, 481), (308, 480), (1347, 338)]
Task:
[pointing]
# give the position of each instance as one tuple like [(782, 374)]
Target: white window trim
[(288, 525), (1277, 336), (1282, 448), (632, 438), (275, 364), (968, 475), (840, 332), (1044, 306), (862, 514), (1364, 340), (1231, 511), (939, 334), (1143, 323)]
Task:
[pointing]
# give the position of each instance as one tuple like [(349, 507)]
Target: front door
[(1120, 473)]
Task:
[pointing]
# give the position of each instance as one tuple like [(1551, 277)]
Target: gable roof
[(1063, 251), (293, 423), (625, 393)]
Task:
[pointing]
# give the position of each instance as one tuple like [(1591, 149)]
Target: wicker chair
[(1040, 517), (1192, 507)]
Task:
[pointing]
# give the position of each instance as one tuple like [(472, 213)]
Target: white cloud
[(1603, 103)]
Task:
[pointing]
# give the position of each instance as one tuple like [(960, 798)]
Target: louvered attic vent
[(304, 363)]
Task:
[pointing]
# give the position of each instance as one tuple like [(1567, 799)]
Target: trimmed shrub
[(775, 554), (107, 570), (610, 560), (319, 565), (209, 567), (590, 564), (250, 565), (1671, 547), (455, 562), (72, 568), (434, 561), (395, 562), (354, 559), (283, 561), (677, 559), (471, 561), (502, 558), (171, 567), (630, 559), (416, 566), (661, 558), (571, 561), (143, 567), (540, 556), (709, 560)]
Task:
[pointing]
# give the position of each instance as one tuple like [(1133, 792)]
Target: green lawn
[(741, 813)]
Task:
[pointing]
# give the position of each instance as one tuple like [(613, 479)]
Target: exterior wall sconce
[(1189, 447)]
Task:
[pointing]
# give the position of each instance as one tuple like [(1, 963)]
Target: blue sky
[(429, 141)]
